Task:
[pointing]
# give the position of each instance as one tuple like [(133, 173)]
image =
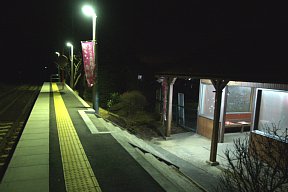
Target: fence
[(184, 116)]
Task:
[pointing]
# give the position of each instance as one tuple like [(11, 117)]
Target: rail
[(21, 100)]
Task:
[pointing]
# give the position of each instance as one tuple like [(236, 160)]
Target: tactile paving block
[(77, 171)]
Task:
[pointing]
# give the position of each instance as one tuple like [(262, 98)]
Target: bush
[(130, 103), (141, 118), (114, 99), (256, 164), (131, 113)]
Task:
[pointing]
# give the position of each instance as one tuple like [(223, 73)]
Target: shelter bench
[(240, 120)]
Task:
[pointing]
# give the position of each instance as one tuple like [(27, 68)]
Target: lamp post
[(72, 70), (89, 11)]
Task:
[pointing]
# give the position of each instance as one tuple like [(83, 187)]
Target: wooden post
[(218, 84), (171, 82), (257, 110), (164, 100)]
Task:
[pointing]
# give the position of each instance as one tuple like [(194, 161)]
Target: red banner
[(88, 53), (164, 91)]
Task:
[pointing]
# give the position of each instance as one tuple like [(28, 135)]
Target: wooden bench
[(241, 120)]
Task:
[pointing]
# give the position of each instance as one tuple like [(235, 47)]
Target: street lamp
[(89, 11), (72, 70), (57, 53)]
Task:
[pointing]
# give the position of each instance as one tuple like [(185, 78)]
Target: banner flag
[(88, 54)]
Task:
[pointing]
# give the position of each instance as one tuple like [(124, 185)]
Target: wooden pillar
[(253, 107), (171, 82), (164, 98), (218, 84), (257, 110)]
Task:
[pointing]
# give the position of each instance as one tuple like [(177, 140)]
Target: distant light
[(189, 79), (57, 53), (69, 44), (139, 77), (88, 10), (45, 67)]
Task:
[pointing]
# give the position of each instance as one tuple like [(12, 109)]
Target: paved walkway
[(190, 151), (29, 165)]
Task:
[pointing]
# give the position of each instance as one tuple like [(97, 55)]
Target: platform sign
[(88, 54)]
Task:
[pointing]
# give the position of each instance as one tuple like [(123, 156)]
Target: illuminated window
[(239, 99), (274, 111), (207, 102)]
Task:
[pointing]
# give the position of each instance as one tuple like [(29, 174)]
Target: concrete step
[(132, 139), (180, 182), (186, 169)]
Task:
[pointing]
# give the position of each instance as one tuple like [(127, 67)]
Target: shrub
[(131, 113), (141, 118), (130, 103), (114, 98), (256, 164)]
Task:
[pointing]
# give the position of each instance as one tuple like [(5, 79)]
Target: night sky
[(180, 35)]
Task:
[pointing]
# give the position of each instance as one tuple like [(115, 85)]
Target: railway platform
[(66, 147)]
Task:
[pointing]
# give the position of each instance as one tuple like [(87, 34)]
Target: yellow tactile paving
[(78, 173)]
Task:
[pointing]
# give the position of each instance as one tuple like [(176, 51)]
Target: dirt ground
[(144, 132), (148, 134)]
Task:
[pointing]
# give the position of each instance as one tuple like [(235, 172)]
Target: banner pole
[(95, 86)]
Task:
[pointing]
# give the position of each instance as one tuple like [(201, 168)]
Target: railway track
[(16, 103)]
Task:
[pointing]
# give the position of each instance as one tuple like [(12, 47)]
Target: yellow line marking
[(77, 170)]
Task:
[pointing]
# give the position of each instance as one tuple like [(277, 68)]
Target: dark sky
[(225, 31)]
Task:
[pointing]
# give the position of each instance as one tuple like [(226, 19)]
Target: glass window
[(207, 102), (274, 111), (238, 99)]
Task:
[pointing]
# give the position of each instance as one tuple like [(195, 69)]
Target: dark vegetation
[(131, 110), (258, 163), (130, 100)]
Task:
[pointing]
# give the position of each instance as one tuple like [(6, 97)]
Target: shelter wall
[(204, 126)]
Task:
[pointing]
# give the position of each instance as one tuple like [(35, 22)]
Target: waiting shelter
[(245, 106)]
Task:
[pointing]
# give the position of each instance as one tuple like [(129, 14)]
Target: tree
[(78, 68)]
